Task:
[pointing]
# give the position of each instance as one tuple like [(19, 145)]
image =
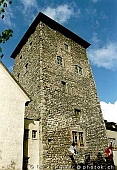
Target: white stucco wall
[(31, 146), (12, 107), (113, 134)]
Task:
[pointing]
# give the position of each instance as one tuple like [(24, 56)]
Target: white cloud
[(61, 13), (91, 11), (29, 4), (95, 39), (8, 17), (109, 111), (94, 1), (103, 15), (105, 56), (30, 9)]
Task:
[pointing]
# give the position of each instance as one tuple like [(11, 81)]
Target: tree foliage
[(6, 34)]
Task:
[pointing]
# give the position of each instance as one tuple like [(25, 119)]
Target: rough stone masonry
[(52, 66)]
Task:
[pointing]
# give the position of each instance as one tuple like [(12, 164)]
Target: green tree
[(6, 34)]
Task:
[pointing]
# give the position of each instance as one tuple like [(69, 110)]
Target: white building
[(12, 107), (31, 144), (111, 130)]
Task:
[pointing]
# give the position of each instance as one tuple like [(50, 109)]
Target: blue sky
[(93, 20)]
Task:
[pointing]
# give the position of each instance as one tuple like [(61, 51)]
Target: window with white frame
[(78, 138), (59, 60), (112, 141), (34, 134), (78, 69), (75, 137), (81, 140)]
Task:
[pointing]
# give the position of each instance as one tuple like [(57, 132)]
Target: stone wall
[(56, 91)]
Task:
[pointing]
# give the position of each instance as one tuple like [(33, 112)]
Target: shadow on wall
[(98, 163), (10, 166)]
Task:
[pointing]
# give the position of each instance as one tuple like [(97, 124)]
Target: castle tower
[(52, 66)]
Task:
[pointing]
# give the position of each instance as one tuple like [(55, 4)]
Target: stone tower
[(52, 66)]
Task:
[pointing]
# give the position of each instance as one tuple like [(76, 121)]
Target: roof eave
[(54, 25)]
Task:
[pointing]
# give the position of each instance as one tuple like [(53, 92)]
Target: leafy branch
[(6, 34)]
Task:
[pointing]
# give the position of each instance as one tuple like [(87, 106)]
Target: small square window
[(26, 133), (26, 68), (18, 75), (34, 134), (77, 111), (21, 57), (59, 60), (66, 46), (26, 65), (78, 138), (78, 69), (63, 86), (63, 83), (30, 43)]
